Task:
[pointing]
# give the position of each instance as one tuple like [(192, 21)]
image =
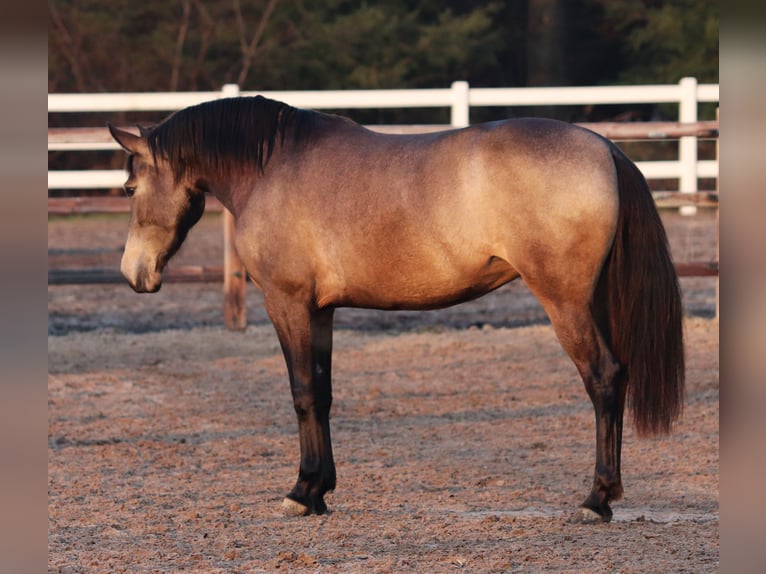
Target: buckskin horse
[(330, 214)]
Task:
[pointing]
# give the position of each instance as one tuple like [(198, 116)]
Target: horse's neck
[(232, 195)]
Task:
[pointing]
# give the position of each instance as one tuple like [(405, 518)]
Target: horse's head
[(163, 207)]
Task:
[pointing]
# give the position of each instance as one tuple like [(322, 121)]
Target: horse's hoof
[(293, 508), (585, 515)]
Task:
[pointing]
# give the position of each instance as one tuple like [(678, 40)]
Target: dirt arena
[(463, 438)]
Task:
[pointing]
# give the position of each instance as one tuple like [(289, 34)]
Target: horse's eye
[(129, 191)]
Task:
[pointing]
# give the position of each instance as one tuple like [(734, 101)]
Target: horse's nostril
[(142, 281), (147, 282)]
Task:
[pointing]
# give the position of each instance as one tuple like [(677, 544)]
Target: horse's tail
[(644, 308)]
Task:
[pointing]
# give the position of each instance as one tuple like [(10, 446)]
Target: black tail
[(644, 306)]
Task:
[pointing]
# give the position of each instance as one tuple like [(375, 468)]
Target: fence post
[(234, 274), (718, 211), (460, 116), (687, 145)]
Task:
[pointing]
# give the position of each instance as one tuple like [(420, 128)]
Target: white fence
[(460, 98)]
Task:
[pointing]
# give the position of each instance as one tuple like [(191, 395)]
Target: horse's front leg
[(306, 338)]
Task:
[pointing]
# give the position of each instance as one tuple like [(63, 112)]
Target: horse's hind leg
[(582, 339)]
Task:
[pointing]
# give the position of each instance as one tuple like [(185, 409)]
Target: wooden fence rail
[(62, 139), (215, 274), (172, 274), (63, 206)]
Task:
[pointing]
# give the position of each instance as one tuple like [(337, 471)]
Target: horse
[(331, 214)]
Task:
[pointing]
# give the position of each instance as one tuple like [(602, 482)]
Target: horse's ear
[(143, 130), (130, 142)]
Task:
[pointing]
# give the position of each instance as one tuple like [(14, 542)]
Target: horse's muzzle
[(140, 279), (146, 282)]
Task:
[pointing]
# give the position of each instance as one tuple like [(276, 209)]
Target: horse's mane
[(221, 135)]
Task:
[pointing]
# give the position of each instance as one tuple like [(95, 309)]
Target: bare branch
[(69, 47), (249, 50), (207, 25), (178, 57), (240, 27)]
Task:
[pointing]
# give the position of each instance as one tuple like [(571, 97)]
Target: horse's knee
[(308, 403), (303, 405)]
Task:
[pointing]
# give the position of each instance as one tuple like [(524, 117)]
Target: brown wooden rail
[(214, 274), (84, 205), (611, 130), (95, 204)]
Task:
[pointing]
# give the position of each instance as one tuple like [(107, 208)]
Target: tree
[(663, 41), (547, 43), (122, 45), (266, 44)]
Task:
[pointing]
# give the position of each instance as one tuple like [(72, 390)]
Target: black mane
[(232, 132)]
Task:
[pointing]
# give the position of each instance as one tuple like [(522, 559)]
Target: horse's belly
[(426, 287)]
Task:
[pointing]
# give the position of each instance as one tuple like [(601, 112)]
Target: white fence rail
[(460, 98)]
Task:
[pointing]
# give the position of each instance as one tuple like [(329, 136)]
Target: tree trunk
[(179, 51), (547, 43)]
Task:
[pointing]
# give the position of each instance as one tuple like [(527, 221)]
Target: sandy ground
[(463, 437)]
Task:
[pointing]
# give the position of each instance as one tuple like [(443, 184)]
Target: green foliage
[(663, 42)]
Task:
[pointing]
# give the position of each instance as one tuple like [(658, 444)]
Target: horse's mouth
[(142, 280), (146, 282)]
